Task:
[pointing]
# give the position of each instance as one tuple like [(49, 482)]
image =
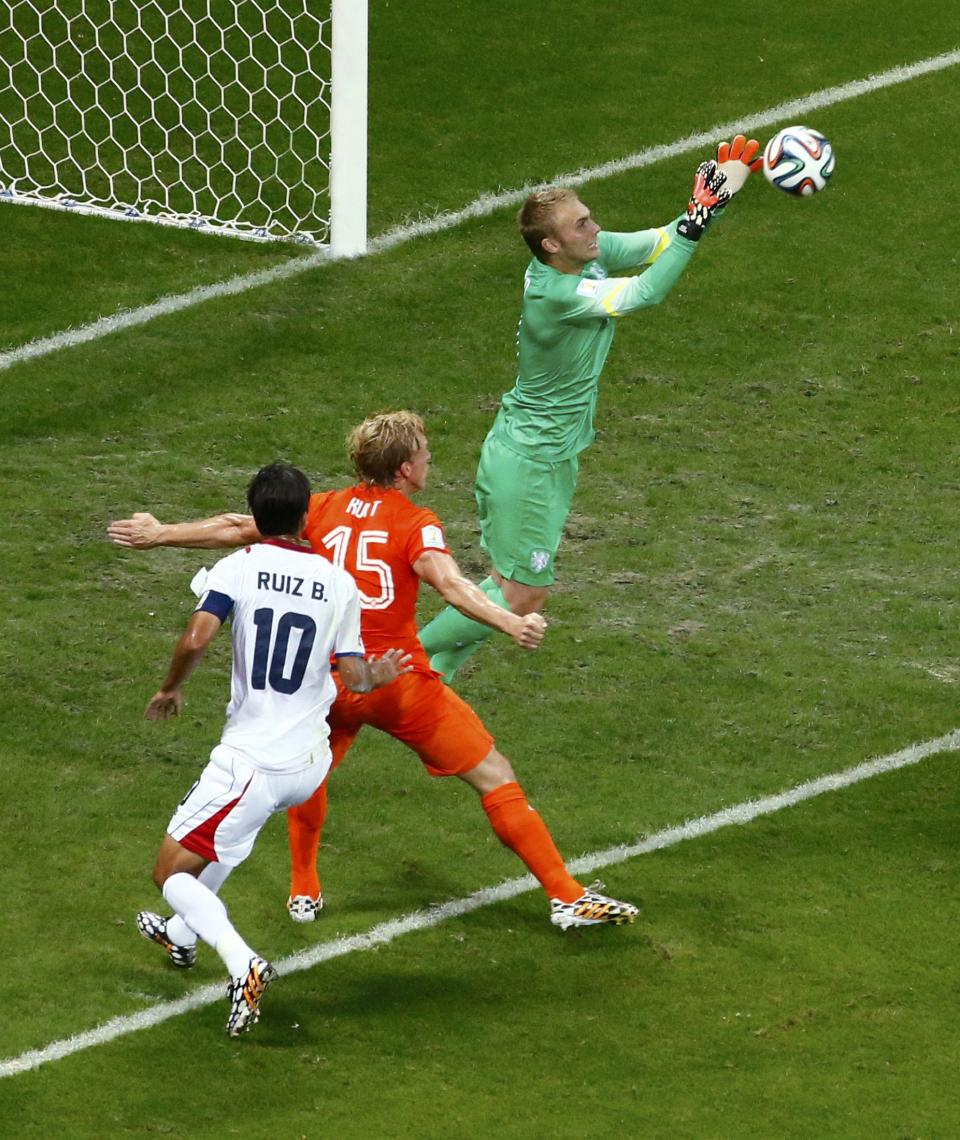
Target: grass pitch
[(758, 587)]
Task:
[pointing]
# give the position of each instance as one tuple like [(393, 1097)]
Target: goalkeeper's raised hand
[(707, 196), (737, 159)]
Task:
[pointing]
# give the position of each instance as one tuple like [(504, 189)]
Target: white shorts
[(222, 814)]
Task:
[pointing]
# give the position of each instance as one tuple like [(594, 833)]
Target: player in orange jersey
[(389, 545)]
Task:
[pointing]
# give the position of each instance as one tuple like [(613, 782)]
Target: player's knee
[(501, 769), (491, 773), (523, 599), (173, 858), (161, 872)]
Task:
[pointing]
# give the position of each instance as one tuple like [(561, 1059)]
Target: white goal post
[(246, 118)]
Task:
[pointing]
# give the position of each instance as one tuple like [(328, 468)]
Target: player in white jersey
[(291, 612)]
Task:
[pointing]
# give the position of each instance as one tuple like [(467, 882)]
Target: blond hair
[(535, 218), (379, 445)]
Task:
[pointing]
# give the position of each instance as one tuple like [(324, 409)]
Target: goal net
[(240, 117)]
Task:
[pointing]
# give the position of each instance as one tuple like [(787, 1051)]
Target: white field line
[(424, 920), (483, 206)]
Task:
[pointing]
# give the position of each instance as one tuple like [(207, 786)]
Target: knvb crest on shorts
[(539, 560)]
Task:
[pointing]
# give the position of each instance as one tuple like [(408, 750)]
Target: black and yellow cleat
[(591, 909), (244, 994), (153, 927)]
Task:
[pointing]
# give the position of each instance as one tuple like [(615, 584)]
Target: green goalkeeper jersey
[(566, 329)]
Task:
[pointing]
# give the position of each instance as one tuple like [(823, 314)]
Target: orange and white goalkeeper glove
[(707, 196), (737, 159)]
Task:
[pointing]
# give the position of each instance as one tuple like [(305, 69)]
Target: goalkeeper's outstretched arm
[(667, 255), (142, 532)]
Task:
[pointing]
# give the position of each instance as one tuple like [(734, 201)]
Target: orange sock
[(520, 828), (304, 825)]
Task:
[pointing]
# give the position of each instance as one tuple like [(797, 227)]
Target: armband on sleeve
[(215, 603)]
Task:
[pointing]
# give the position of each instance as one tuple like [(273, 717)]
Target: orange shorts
[(422, 712)]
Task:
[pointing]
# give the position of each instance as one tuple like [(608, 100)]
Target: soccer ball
[(798, 161)]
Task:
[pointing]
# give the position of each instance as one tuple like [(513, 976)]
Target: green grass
[(786, 982), (758, 586)]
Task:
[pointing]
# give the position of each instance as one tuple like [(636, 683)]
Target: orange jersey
[(376, 534)]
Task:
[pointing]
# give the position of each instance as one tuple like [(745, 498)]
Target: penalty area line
[(387, 932), (481, 207)]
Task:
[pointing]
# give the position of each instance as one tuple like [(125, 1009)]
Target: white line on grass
[(483, 206), (424, 920)]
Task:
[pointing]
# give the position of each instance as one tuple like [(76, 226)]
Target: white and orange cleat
[(303, 908), (591, 909)]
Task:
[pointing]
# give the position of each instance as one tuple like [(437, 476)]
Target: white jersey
[(291, 610)]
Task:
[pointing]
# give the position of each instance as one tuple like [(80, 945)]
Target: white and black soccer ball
[(798, 160)]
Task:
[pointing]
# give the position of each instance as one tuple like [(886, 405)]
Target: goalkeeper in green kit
[(573, 290)]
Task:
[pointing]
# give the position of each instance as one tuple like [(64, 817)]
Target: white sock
[(235, 953), (179, 932), (203, 912), (213, 876)]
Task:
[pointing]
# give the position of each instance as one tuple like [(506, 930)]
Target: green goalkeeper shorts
[(523, 507)]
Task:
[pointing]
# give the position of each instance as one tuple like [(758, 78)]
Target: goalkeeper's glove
[(706, 198), (737, 159)]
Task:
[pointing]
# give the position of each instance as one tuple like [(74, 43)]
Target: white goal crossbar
[(246, 118)]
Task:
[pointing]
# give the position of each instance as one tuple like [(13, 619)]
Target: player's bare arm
[(441, 571), (142, 531), (363, 675), (187, 654)]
